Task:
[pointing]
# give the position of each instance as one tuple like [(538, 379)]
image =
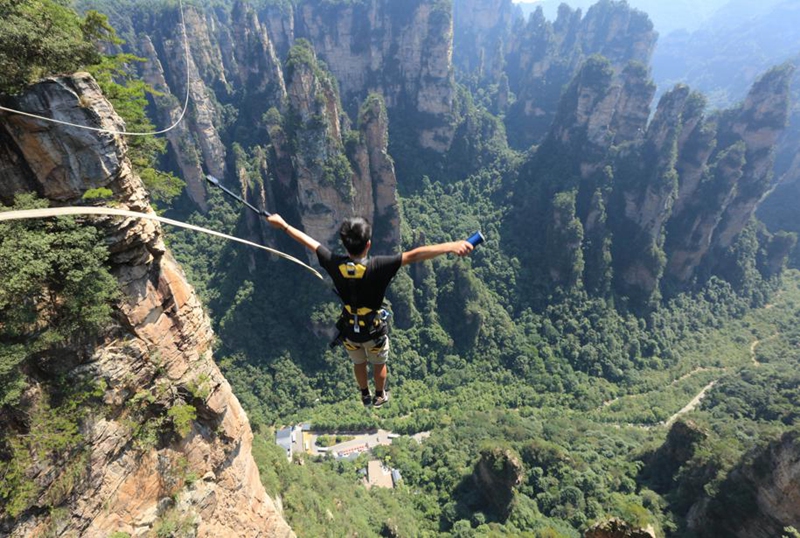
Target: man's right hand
[(277, 221), (301, 237)]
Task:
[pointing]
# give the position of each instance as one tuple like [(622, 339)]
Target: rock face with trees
[(160, 439), (618, 276), (677, 191), (287, 85), (538, 57), (763, 489), (259, 92)]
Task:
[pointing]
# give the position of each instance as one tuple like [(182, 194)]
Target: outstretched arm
[(302, 238), (460, 248)]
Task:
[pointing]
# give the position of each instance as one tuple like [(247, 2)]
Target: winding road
[(691, 406)]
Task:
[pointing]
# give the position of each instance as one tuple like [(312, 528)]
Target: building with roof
[(283, 438)]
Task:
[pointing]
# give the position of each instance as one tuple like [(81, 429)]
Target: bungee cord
[(113, 131), (66, 211)]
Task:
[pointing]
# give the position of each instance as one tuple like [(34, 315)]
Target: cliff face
[(542, 57), (402, 51), (328, 171), (246, 104), (765, 489), (678, 191), (496, 475), (227, 50), (155, 358), (738, 172), (482, 33)]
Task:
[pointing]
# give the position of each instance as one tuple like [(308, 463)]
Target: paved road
[(361, 442)]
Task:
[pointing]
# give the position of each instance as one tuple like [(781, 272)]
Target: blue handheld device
[(476, 239)]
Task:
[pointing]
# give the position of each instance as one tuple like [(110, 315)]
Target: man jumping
[(361, 283)]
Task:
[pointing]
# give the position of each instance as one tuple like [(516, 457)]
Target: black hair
[(354, 233)]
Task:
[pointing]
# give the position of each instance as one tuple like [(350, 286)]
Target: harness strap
[(363, 311)]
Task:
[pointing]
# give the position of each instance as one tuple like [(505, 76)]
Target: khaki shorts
[(372, 351)]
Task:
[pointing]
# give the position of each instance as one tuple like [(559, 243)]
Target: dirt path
[(753, 352), (691, 406), (697, 370)]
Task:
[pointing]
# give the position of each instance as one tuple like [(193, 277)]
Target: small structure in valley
[(284, 440), (378, 475), (291, 440)]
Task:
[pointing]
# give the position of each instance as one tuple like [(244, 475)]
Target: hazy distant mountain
[(735, 45), (666, 16)]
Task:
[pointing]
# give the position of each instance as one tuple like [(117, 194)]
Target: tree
[(43, 37), (54, 291)]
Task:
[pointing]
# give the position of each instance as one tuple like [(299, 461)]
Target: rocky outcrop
[(662, 465), (646, 200), (187, 156), (324, 188), (542, 57), (404, 53), (482, 33), (759, 499), (156, 358), (373, 124), (228, 52), (678, 191), (599, 110), (757, 123), (497, 474), (726, 164), (331, 172), (401, 51)]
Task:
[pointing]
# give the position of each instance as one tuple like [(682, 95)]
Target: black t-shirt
[(367, 280)]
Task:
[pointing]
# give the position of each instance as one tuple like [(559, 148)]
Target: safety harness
[(355, 319)]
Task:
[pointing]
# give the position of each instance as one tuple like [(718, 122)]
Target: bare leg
[(379, 371), (361, 375)]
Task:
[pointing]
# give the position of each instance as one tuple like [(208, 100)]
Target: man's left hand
[(462, 248)]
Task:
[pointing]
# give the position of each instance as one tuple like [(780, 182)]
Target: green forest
[(526, 358)]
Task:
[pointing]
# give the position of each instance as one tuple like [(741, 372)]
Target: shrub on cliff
[(55, 294), (55, 291), (44, 37)]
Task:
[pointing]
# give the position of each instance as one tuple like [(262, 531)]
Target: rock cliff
[(403, 53), (156, 357), (678, 191), (482, 34), (330, 170), (496, 475), (710, 213), (759, 499), (542, 57), (295, 115), (227, 51)]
